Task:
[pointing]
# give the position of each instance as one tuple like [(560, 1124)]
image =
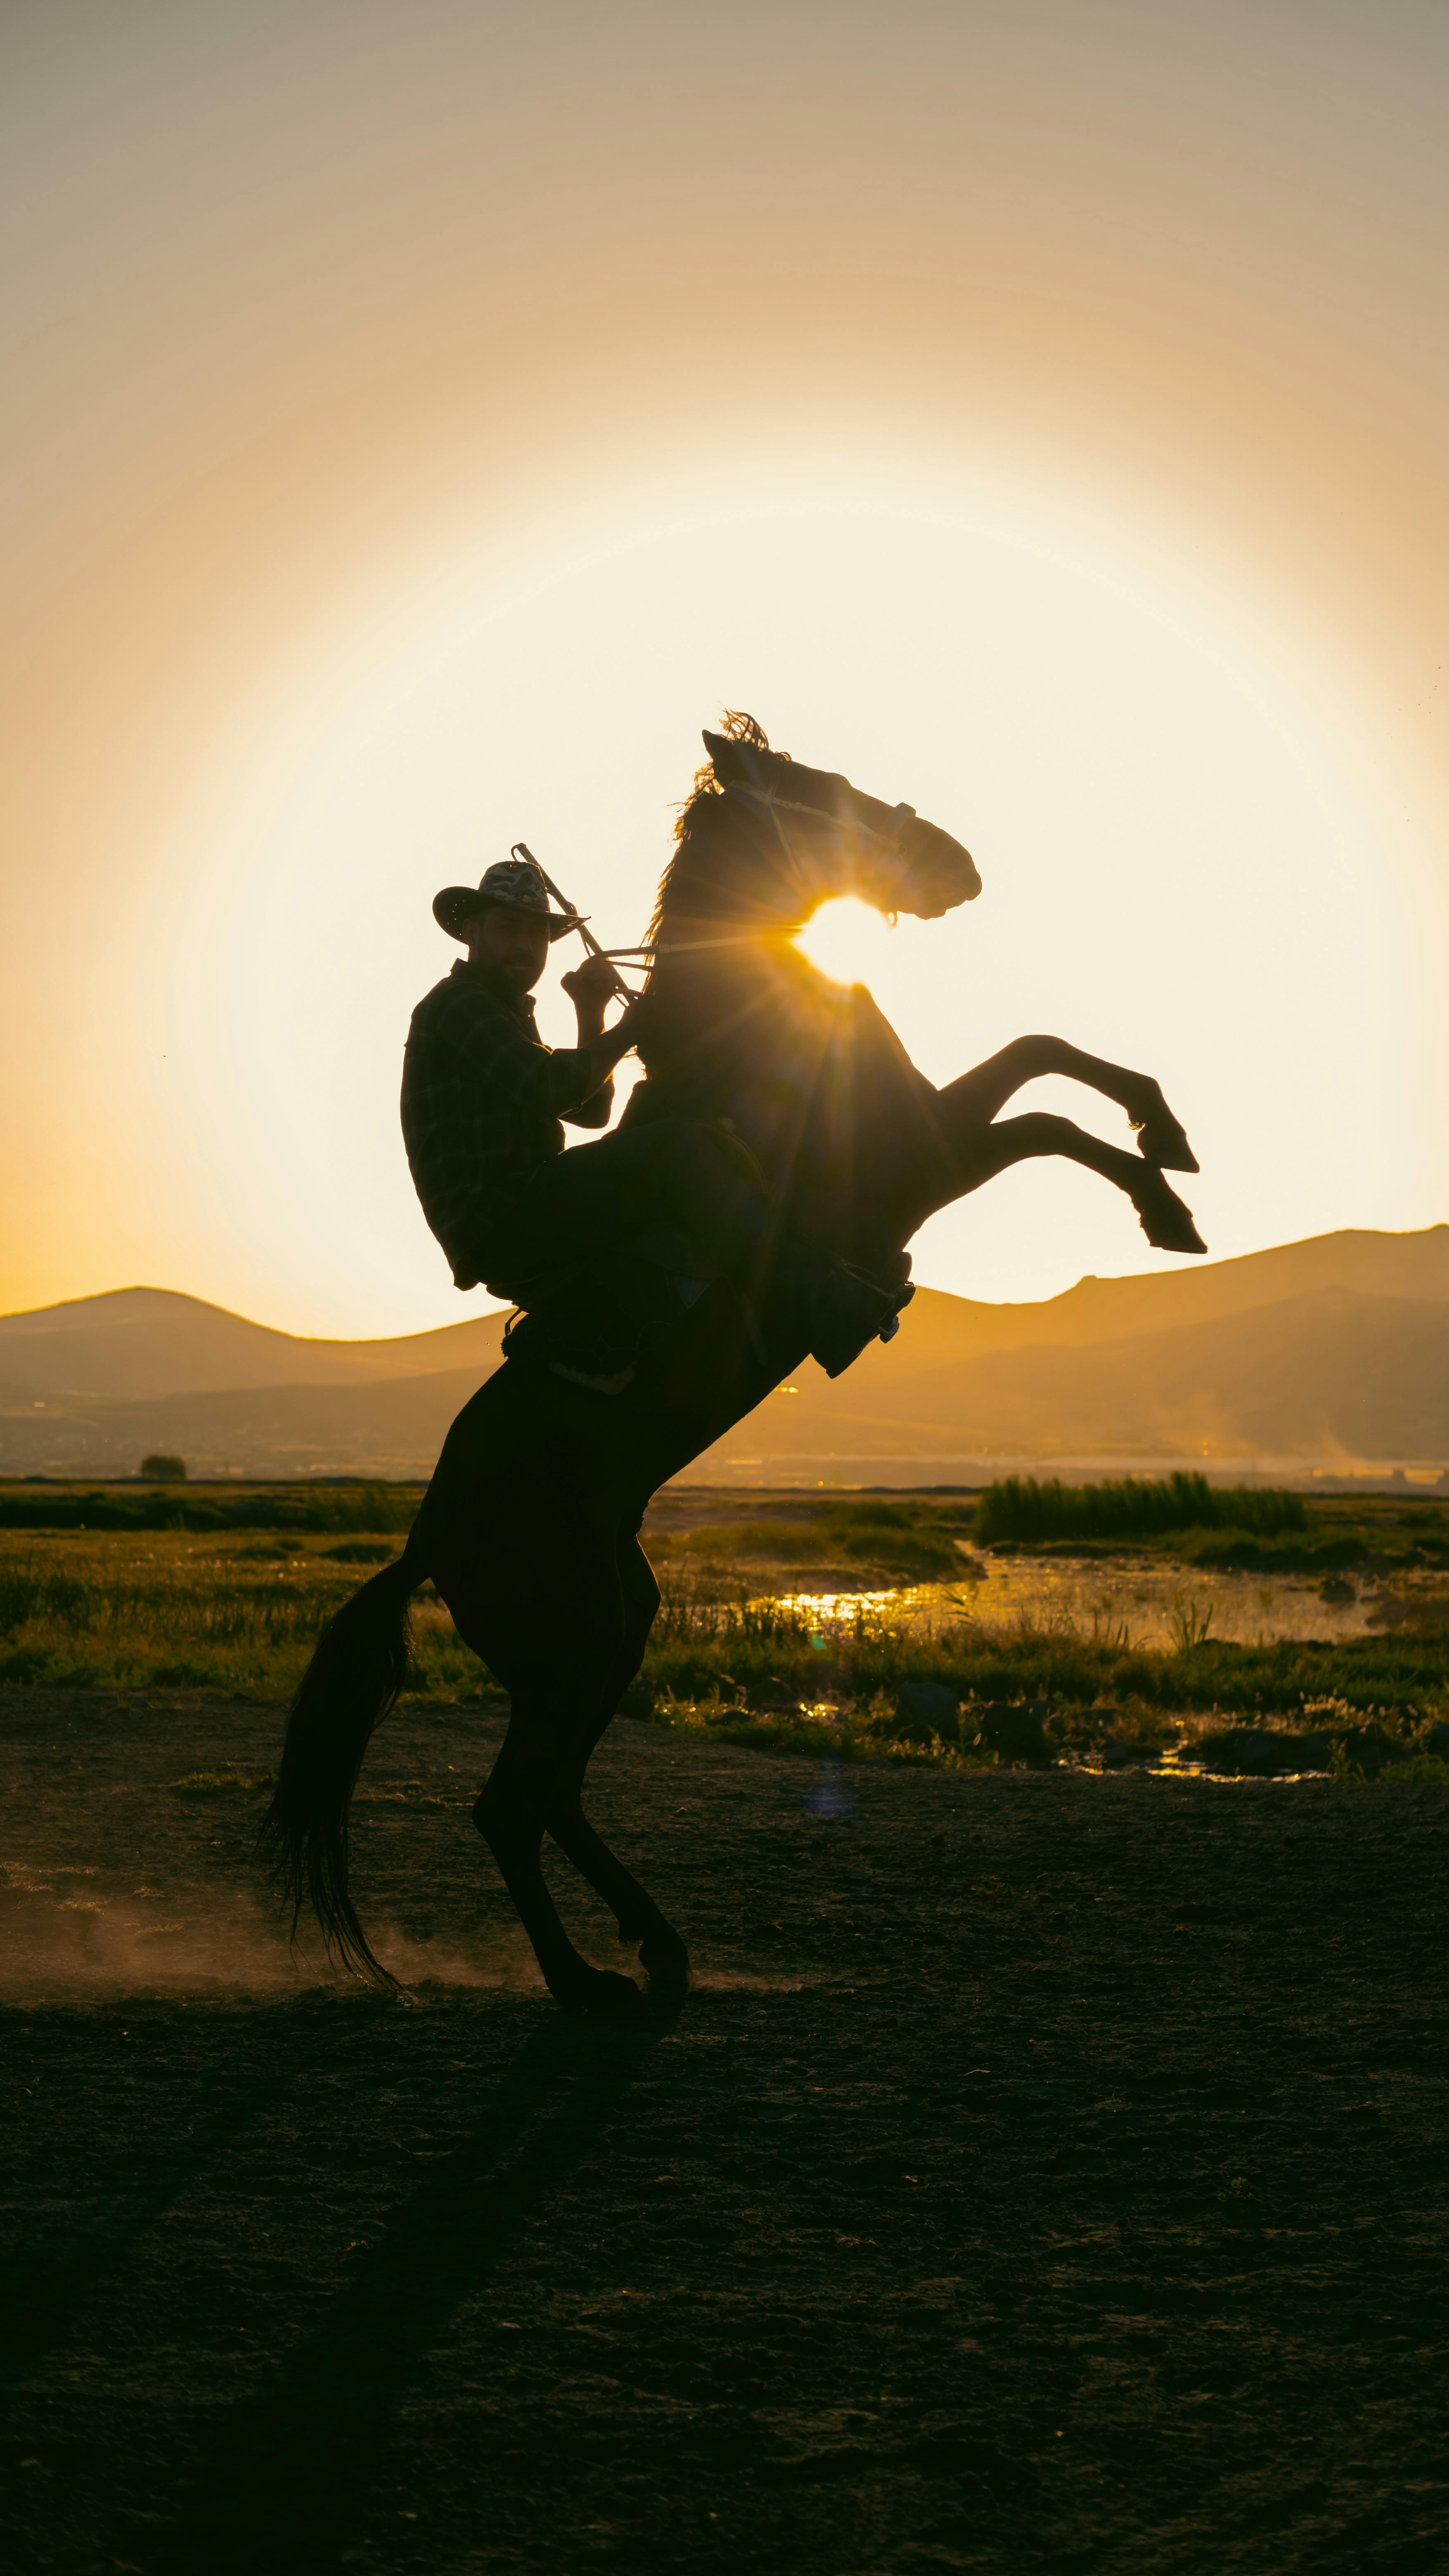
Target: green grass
[(241, 1613), (1421, 1770), (182, 1622)]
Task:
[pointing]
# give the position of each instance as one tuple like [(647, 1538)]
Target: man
[(483, 1097)]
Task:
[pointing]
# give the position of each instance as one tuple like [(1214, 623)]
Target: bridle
[(775, 806)]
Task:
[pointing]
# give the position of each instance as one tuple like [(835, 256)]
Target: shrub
[(161, 1468), (339, 1508), (1131, 1507)]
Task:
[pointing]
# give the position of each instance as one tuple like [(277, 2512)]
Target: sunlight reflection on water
[(1124, 1605)]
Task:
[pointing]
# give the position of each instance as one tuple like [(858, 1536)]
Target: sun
[(846, 940)]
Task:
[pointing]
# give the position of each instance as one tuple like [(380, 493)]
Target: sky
[(421, 422)]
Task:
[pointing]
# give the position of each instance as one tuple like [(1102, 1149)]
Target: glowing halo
[(1185, 866)]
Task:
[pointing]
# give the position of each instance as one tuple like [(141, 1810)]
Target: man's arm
[(589, 993), (589, 988), (498, 1052)]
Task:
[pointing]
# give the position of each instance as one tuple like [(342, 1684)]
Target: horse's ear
[(737, 764), (732, 763)]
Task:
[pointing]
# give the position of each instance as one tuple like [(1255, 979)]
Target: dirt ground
[(1045, 2171)]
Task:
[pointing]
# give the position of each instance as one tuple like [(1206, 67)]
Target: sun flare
[(846, 940)]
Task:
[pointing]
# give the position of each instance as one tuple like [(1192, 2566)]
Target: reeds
[(915, 1546), (1131, 1507)]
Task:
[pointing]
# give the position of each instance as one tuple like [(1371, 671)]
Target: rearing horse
[(530, 1527)]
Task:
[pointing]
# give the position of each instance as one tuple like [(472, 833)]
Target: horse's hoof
[(600, 1993), (660, 1952), (665, 1960), (1161, 1138), (1162, 1216), (1162, 1141)]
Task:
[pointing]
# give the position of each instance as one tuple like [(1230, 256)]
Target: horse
[(529, 1528)]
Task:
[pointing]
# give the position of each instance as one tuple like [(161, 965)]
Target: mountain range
[(1331, 1352)]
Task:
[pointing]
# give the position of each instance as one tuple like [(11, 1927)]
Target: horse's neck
[(726, 996), (759, 1035), (767, 867)]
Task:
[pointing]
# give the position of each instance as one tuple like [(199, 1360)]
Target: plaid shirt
[(482, 1097)]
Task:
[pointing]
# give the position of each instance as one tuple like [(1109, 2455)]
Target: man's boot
[(851, 1309)]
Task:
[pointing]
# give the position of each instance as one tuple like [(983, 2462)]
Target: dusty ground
[(1046, 2172)]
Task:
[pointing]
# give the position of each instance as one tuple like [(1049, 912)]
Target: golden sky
[(421, 421)]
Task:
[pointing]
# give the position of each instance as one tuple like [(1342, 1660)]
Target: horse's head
[(825, 837)]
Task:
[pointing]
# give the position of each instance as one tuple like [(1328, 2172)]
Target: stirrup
[(853, 1310)]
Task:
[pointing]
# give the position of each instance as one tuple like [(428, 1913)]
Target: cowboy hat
[(511, 883)]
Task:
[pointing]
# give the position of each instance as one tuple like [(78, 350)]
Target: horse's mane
[(704, 823)]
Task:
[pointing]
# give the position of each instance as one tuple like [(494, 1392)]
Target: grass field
[(739, 1649)]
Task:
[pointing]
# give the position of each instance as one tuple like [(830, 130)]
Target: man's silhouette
[(483, 1097)]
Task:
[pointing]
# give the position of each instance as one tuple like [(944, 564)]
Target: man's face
[(514, 944)]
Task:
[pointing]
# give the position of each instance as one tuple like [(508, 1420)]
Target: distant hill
[(1109, 1310), (1331, 1350), (141, 1342), (390, 1428), (1325, 1377)]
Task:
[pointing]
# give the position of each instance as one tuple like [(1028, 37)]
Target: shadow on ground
[(1046, 2173)]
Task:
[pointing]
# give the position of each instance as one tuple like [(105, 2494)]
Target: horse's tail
[(351, 1683)]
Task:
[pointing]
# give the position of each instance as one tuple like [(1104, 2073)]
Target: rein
[(692, 947)]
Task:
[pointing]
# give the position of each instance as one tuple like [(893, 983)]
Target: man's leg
[(588, 1202), (594, 1198)]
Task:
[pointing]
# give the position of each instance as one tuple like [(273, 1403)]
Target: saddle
[(585, 1323)]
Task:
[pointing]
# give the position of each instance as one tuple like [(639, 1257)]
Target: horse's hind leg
[(662, 1952), (565, 1674), (524, 1798), (535, 1789)]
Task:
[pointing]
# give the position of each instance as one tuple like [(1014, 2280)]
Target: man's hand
[(590, 986)]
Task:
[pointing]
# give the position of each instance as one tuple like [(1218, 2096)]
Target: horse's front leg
[(981, 1153), (978, 1097)]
